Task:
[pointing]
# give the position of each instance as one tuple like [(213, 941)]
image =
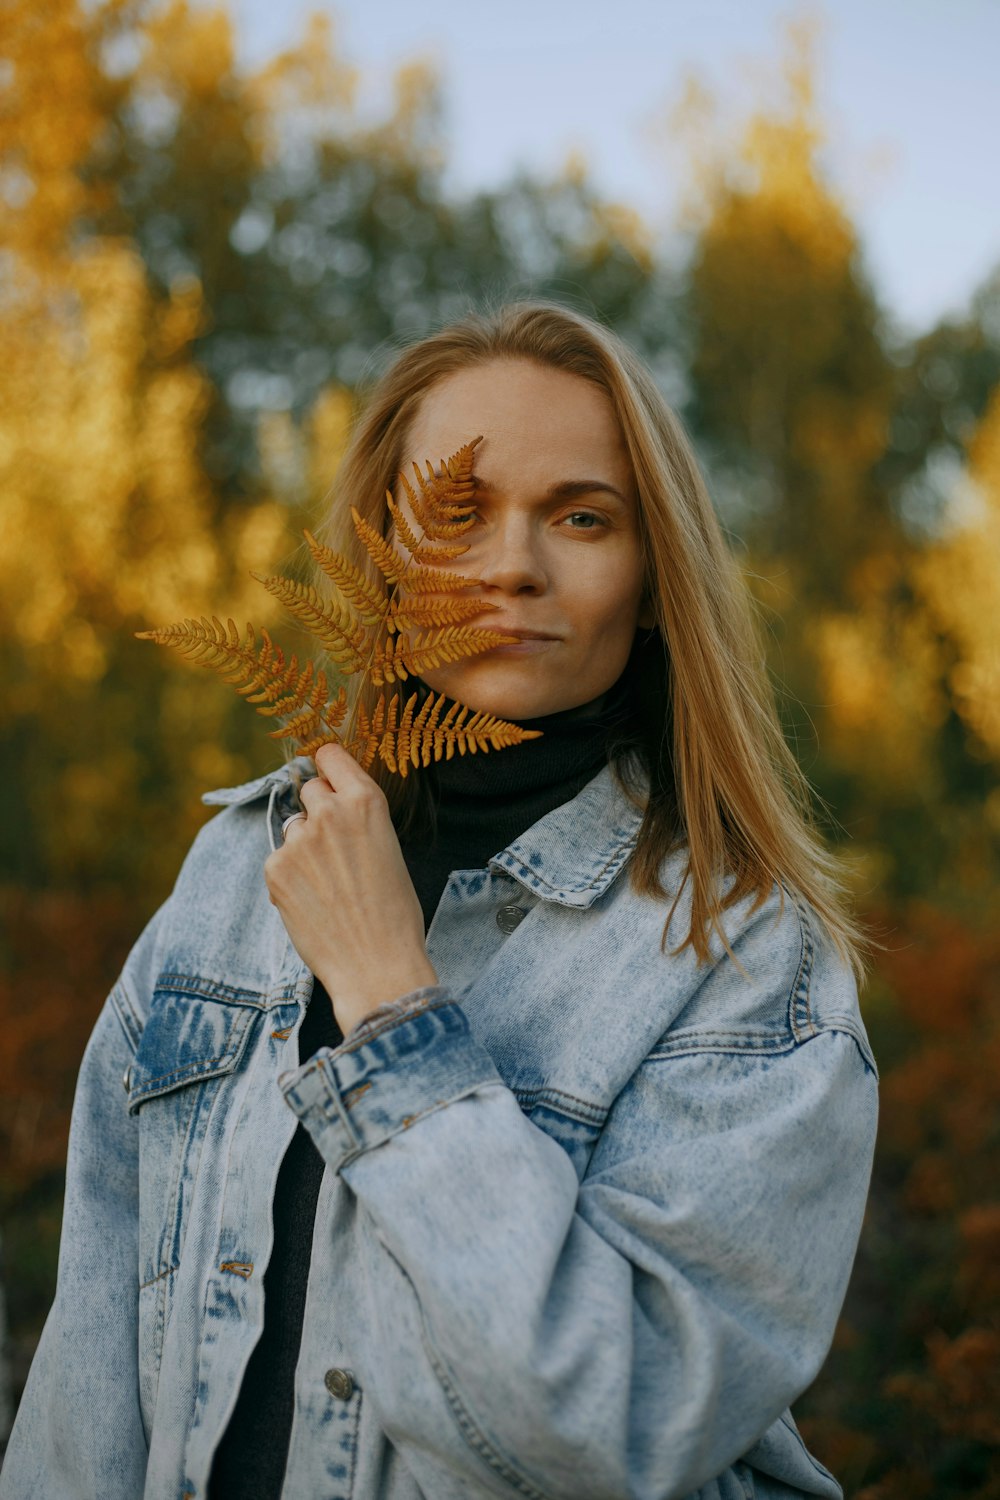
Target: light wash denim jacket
[(587, 1218)]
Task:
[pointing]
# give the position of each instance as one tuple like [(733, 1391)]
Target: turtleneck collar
[(573, 743), (476, 805)]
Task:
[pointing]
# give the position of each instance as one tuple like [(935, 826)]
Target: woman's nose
[(509, 560)]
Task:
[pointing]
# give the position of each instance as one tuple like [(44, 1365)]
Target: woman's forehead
[(534, 420)]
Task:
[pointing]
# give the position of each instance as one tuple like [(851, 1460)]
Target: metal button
[(509, 917), (339, 1383), (127, 1078)]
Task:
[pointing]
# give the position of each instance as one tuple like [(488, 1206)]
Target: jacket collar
[(569, 857), (573, 854), (292, 774)]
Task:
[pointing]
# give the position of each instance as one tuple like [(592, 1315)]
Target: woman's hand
[(345, 894)]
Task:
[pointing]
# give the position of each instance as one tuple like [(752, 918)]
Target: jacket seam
[(190, 1070), (586, 1113), (158, 1277), (126, 1015), (800, 992), (475, 1438), (727, 1041), (209, 989), (620, 854), (206, 1067), (722, 1043), (389, 1022)]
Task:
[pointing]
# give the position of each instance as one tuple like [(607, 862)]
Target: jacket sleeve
[(522, 1333), (78, 1431)]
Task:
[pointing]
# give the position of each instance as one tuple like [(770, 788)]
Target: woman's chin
[(499, 690)]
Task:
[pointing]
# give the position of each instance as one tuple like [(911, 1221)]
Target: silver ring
[(289, 821)]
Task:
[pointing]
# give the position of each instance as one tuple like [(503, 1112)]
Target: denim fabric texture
[(588, 1214)]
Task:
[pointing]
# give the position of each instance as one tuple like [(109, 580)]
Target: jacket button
[(509, 917), (339, 1383), (127, 1078)]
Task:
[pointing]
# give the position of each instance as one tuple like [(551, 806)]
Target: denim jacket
[(588, 1212)]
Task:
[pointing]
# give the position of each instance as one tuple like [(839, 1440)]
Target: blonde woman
[(506, 1131)]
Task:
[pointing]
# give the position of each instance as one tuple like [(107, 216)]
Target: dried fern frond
[(390, 563), (408, 610), (411, 622), (441, 502), (260, 672), (336, 627), (401, 657), (368, 598), (416, 741)]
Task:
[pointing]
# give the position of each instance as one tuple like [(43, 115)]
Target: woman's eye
[(585, 519)]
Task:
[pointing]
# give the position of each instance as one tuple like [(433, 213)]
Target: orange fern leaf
[(368, 599), (404, 530), (401, 658), (317, 722), (409, 610), (336, 628), (441, 502), (387, 632), (395, 568), (450, 644), (435, 581), (369, 732), (250, 667), (276, 686), (404, 741), (389, 562)]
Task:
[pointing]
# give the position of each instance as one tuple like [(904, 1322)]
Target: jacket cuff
[(396, 1066)]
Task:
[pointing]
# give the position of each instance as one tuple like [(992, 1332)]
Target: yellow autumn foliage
[(958, 578), (879, 670), (107, 513), (778, 155), (187, 49), (765, 185), (307, 83), (51, 113)]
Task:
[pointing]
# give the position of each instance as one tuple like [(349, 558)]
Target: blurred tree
[(959, 577), (794, 400), (322, 240), (943, 384), (907, 1404), (108, 525), (49, 52), (791, 387)]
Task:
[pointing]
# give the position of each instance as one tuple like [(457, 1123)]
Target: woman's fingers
[(335, 765), (313, 793), (290, 823)]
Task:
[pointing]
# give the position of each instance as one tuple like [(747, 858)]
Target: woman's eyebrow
[(565, 489)]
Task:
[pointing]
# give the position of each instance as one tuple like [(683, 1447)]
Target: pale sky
[(909, 89)]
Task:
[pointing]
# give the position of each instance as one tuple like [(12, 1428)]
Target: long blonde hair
[(717, 774)]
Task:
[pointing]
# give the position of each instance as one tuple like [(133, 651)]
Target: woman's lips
[(524, 646), (528, 643)]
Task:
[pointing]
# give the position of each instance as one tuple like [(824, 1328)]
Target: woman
[(511, 1138)]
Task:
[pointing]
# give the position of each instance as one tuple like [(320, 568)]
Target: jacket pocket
[(196, 1036), (195, 1030)]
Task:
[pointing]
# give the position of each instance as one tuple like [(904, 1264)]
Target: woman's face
[(556, 541)]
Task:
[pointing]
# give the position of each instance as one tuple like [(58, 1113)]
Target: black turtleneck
[(473, 806), (478, 804)]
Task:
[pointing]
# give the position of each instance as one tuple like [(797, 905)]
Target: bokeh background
[(214, 223)]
